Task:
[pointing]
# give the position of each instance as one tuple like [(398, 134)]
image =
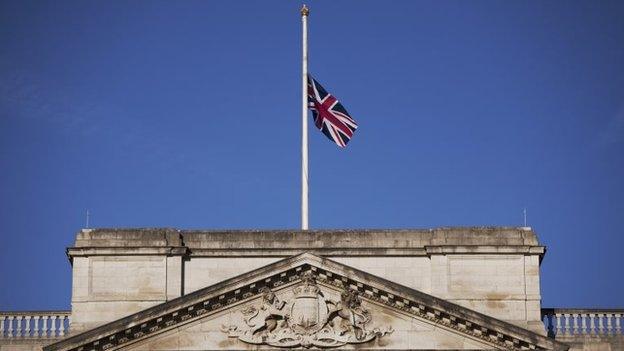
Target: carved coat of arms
[(309, 320)]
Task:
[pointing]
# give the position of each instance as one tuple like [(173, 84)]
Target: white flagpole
[(304, 120)]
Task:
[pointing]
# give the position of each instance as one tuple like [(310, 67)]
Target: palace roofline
[(325, 242)]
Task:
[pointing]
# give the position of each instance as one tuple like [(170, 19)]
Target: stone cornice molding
[(483, 249), (129, 251), (372, 251), (269, 252), (286, 243), (243, 288)]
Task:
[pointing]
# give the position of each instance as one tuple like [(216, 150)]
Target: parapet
[(284, 243)]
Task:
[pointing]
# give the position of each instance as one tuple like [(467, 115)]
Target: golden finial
[(305, 10)]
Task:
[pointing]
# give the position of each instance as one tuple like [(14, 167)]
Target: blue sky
[(186, 114)]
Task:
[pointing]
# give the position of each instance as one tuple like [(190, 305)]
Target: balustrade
[(47, 324), (558, 322), (572, 322)]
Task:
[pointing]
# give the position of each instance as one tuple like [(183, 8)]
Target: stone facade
[(445, 288), (337, 304), (491, 270)]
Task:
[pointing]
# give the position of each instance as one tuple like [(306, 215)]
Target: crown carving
[(306, 290)]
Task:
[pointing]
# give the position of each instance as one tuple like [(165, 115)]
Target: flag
[(329, 114)]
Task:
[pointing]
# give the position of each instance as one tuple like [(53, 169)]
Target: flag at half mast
[(329, 114)]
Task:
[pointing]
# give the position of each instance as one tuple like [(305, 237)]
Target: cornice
[(329, 251), (127, 251)]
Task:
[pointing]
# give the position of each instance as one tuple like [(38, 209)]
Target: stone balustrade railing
[(561, 322), (33, 325)]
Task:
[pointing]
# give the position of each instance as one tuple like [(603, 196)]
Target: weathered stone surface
[(200, 272), (195, 321), (22, 344), (593, 342), (492, 270), (109, 287), (143, 237), (165, 289), (408, 333), (307, 240)]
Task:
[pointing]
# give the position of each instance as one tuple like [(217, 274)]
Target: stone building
[(438, 289)]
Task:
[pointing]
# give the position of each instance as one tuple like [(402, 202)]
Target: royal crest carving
[(310, 319)]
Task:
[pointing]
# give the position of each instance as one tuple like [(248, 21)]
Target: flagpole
[(304, 120)]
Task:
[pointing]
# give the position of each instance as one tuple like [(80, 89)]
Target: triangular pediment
[(307, 301)]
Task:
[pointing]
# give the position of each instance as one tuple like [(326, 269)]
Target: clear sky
[(187, 115)]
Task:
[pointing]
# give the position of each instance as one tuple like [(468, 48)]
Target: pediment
[(307, 301)]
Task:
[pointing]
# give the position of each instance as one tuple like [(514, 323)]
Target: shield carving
[(305, 320), (308, 311)]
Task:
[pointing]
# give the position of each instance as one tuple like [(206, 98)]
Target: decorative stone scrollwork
[(309, 320)]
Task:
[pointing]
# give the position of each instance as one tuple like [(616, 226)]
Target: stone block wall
[(117, 272)]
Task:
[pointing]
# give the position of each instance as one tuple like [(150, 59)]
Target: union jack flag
[(329, 114)]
